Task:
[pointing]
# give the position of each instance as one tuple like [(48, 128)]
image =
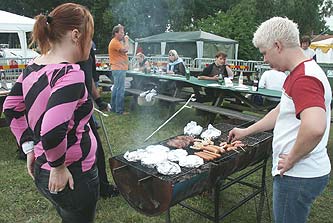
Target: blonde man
[(301, 122)]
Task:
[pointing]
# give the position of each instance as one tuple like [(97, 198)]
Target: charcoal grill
[(151, 193)]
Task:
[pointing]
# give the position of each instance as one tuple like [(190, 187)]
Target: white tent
[(324, 50), (12, 23)]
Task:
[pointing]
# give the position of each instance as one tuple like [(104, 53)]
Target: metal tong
[(161, 126), (100, 114)]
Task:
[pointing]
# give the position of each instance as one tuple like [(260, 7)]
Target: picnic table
[(224, 100)]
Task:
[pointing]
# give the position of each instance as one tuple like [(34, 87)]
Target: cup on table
[(9, 85), (228, 82), (255, 85)]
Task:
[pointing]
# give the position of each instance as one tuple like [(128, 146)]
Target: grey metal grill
[(152, 193)]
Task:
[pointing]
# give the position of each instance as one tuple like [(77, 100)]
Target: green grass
[(21, 202)]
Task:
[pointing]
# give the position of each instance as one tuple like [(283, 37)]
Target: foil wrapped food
[(191, 161), (168, 168)]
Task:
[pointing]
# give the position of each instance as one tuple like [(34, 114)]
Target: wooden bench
[(223, 111), (136, 92)]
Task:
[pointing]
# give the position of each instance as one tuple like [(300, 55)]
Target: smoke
[(142, 18)]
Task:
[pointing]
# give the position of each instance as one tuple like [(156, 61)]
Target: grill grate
[(252, 142)]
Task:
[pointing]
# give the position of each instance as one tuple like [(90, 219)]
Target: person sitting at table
[(272, 80), (176, 64), (212, 71), (143, 63)]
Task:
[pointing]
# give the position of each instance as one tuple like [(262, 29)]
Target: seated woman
[(143, 63), (176, 64), (218, 67)]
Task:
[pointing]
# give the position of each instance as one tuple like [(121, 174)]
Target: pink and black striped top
[(49, 104)]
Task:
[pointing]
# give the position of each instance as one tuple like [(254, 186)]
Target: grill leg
[(263, 192), (217, 201), (167, 216)]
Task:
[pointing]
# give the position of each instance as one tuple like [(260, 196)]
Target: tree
[(103, 24), (148, 17), (237, 23), (231, 18), (304, 12), (190, 11)]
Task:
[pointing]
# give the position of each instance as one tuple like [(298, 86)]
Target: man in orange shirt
[(118, 48)]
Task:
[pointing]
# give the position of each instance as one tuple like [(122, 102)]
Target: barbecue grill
[(152, 193)]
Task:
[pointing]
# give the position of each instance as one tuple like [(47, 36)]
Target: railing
[(197, 64), (160, 61), (11, 68), (235, 65), (103, 61)]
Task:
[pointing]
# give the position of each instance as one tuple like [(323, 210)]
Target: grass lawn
[(21, 202)]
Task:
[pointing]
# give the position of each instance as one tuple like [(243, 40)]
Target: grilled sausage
[(231, 148), (203, 156), (216, 155), (211, 149), (223, 143), (239, 145), (209, 155), (236, 142), (222, 150)]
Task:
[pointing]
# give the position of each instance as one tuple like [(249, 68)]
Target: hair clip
[(49, 19)]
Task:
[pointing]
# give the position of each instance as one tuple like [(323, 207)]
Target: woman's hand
[(30, 164), (59, 177)]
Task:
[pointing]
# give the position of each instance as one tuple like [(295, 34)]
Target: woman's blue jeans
[(293, 197), (73, 206), (118, 93)]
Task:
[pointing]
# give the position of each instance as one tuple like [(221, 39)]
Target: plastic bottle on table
[(220, 79), (187, 74), (240, 80), (255, 83)]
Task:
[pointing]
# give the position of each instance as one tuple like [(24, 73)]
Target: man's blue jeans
[(293, 197), (118, 93)]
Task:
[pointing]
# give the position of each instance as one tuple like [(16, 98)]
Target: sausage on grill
[(216, 155), (211, 148), (204, 156)]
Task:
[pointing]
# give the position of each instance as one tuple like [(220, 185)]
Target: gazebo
[(196, 44)]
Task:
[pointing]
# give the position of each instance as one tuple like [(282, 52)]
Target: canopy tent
[(190, 44), (12, 23), (324, 50)]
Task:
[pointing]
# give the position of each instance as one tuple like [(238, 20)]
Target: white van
[(15, 56)]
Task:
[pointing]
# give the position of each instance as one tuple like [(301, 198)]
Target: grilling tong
[(161, 126)]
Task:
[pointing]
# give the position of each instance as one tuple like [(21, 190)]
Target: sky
[(330, 22)]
